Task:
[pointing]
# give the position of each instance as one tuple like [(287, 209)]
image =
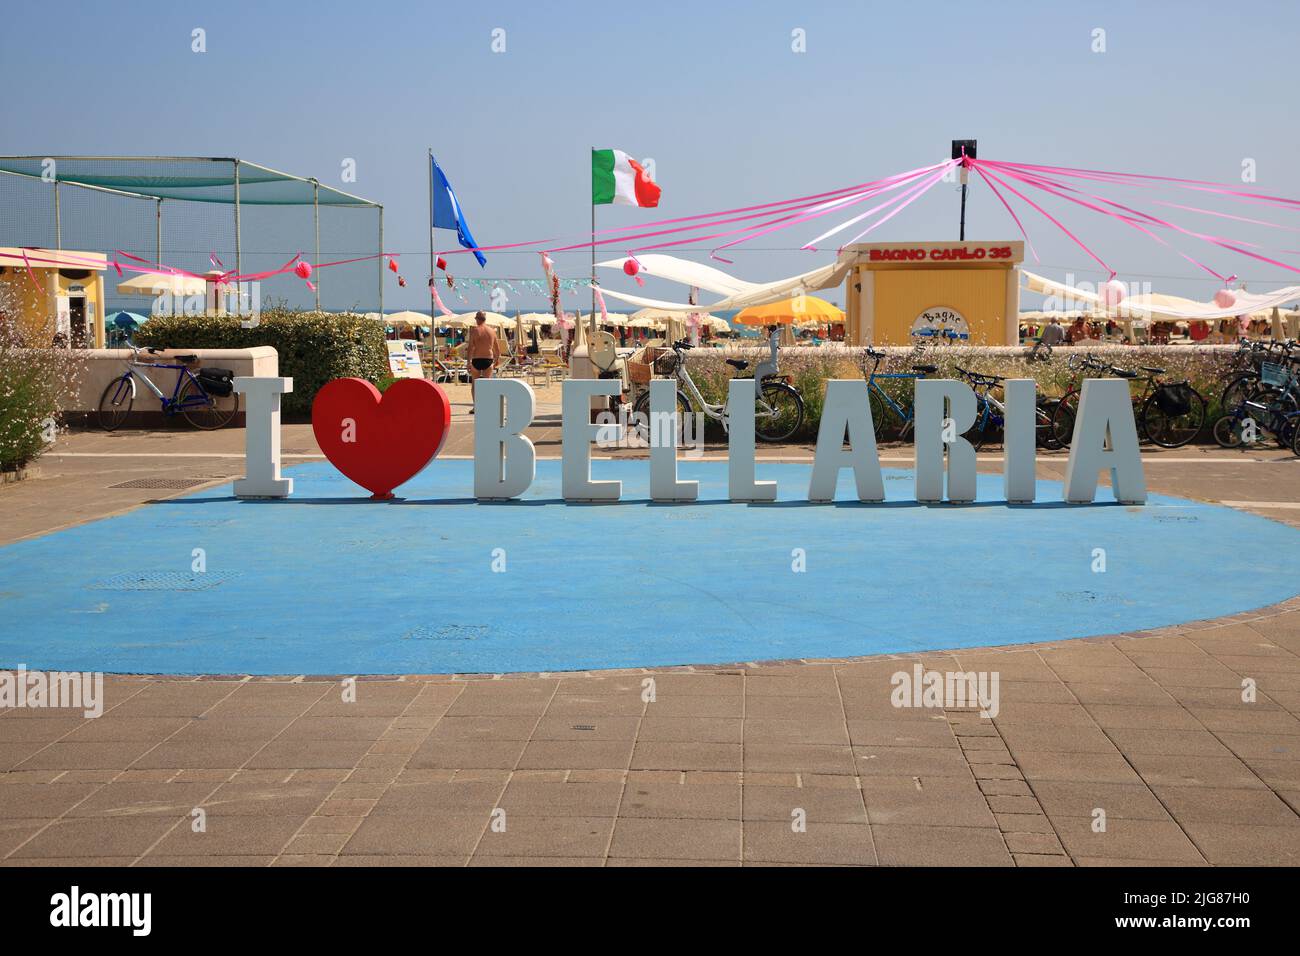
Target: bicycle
[(1243, 377), (207, 400), (882, 405), (1169, 414), (991, 412), (778, 406), (1274, 407), (1067, 406)]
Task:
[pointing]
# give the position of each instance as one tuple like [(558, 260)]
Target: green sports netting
[(183, 211)]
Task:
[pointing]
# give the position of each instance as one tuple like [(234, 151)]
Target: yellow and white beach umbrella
[(408, 318)]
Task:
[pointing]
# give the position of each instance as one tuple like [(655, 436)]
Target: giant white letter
[(576, 434), (262, 437), (929, 440), (1019, 440), (847, 406), (505, 462), (741, 485), (664, 429), (1105, 436)]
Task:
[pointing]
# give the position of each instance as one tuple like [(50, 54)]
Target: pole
[(315, 216), (593, 260), (961, 234), (157, 239), (381, 263), (58, 219), (239, 297), (433, 260)]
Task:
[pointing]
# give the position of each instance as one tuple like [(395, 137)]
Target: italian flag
[(618, 178)]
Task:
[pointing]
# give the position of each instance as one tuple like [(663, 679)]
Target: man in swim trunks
[(483, 351)]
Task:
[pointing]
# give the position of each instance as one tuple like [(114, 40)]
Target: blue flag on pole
[(446, 212)]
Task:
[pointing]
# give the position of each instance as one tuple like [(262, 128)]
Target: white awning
[(689, 273)]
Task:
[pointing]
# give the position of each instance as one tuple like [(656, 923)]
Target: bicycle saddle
[(1153, 371), (925, 369), (738, 364), (1124, 373), (186, 359)]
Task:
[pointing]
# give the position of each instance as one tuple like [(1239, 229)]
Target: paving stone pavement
[(1122, 750)]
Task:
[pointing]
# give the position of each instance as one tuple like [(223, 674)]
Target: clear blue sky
[(710, 90)]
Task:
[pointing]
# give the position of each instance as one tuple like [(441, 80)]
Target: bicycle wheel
[(1063, 419), (641, 417), (879, 411), (1227, 432), (1237, 391), (1043, 426), (778, 412), (115, 404), (983, 415), (1295, 437), (215, 412), (1172, 429)]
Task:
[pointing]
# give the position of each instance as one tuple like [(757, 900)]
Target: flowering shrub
[(35, 380), (313, 347), (809, 368)]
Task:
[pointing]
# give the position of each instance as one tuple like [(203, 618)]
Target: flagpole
[(433, 311), (593, 259)]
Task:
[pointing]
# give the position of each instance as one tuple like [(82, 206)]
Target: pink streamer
[(1007, 206), (1222, 242), (913, 194), (1079, 242), (861, 191), (885, 185)]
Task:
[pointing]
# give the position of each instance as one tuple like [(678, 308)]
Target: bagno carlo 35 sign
[(382, 441)]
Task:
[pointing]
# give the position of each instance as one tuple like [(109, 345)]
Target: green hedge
[(314, 347)]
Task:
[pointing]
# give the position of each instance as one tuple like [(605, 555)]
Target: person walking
[(483, 351)]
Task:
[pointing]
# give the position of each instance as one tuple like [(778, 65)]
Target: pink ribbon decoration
[(600, 300), (437, 299), (1230, 244), (701, 221)]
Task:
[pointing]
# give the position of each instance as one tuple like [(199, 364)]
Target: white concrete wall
[(104, 365)]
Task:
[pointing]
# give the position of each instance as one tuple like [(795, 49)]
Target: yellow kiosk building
[(55, 292), (968, 291)]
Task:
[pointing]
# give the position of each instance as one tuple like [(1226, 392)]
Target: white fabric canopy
[(687, 273), (1157, 306), (745, 294), (155, 284)]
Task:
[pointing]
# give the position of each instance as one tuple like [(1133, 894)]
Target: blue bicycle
[(206, 400), (882, 404), (991, 412)]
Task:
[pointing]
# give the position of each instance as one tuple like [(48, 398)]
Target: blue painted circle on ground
[(327, 582)]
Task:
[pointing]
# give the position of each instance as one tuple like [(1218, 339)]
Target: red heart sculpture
[(380, 440)]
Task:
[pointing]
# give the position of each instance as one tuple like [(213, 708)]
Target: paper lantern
[(631, 266), (401, 283), (1112, 293), (442, 263), (392, 265), (1225, 298), (302, 270)]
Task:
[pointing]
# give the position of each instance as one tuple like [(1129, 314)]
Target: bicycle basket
[(666, 364), (217, 381), (1174, 400), (1271, 373)]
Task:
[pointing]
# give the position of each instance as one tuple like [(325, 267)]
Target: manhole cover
[(446, 632), (1078, 597), (160, 483), (163, 581)]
